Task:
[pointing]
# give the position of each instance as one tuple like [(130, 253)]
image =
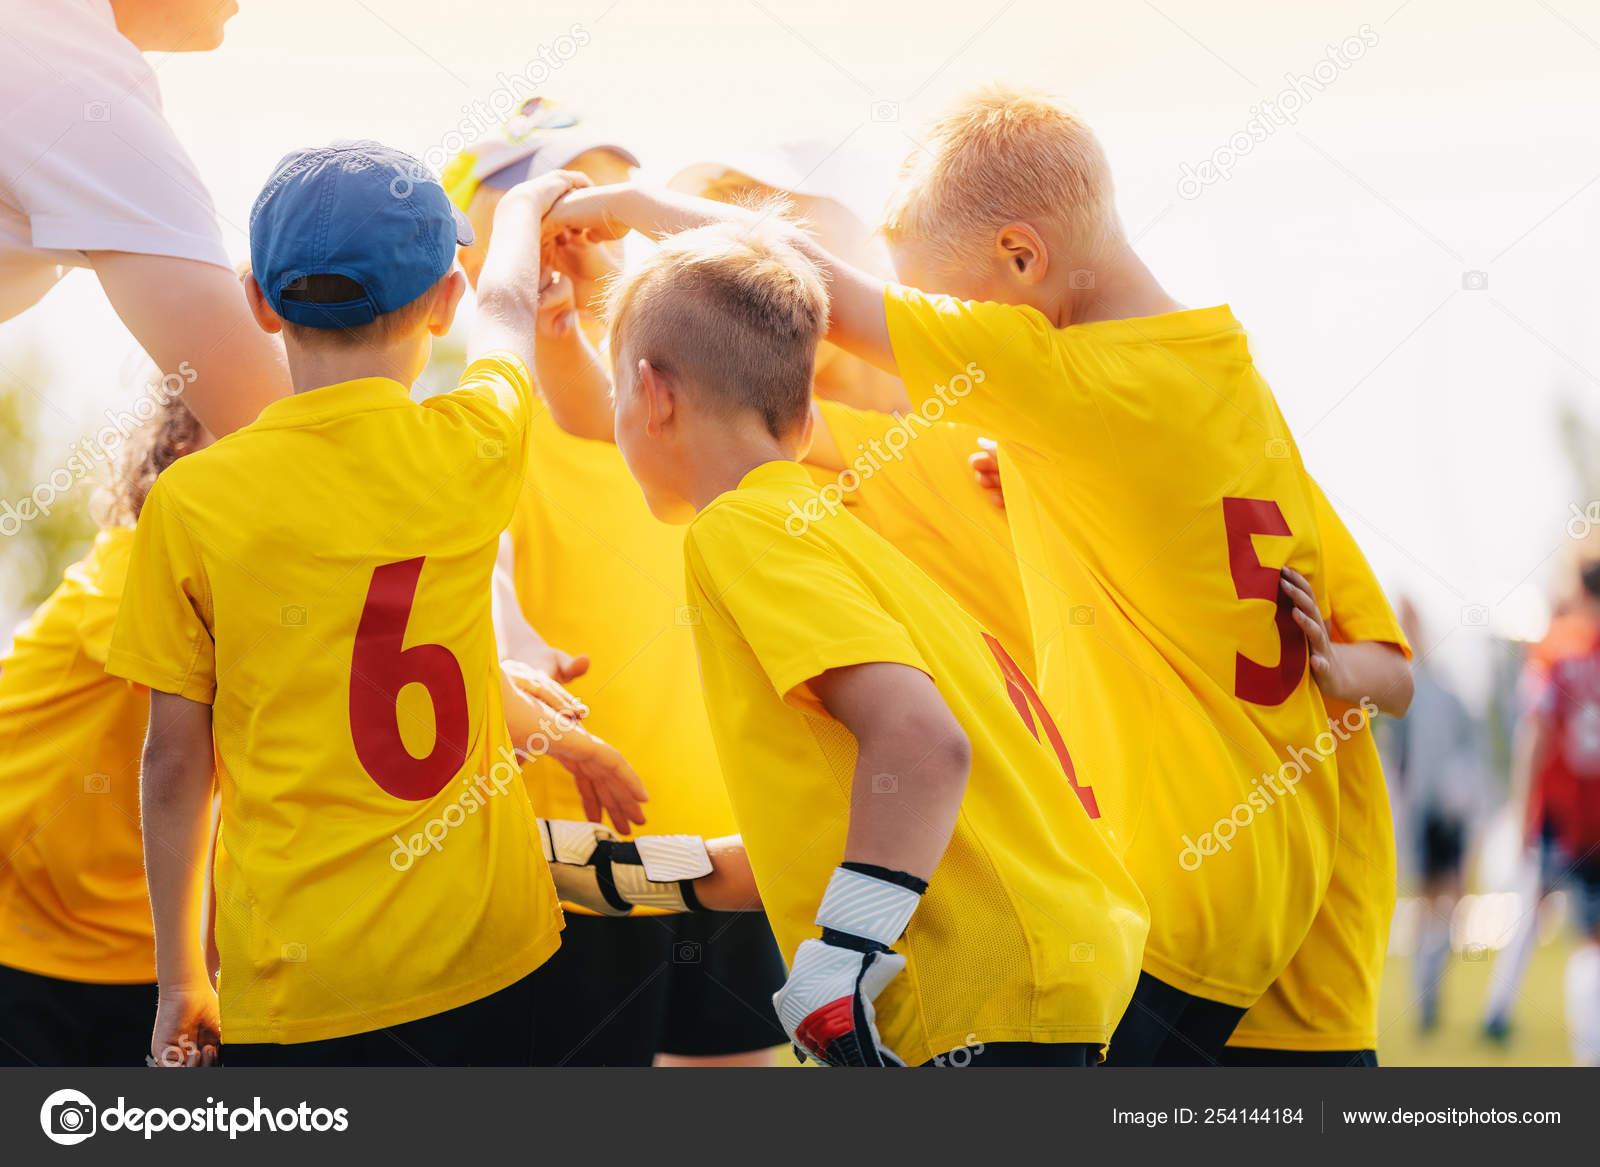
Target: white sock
[(1433, 950), (1583, 1004), (1511, 962)]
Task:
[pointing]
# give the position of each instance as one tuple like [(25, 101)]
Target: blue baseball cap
[(374, 215)]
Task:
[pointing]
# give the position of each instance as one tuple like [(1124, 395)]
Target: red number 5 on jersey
[(1252, 580), (380, 667)]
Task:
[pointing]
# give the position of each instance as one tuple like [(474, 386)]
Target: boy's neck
[(312, 368), (728, 459), (1123, 289)]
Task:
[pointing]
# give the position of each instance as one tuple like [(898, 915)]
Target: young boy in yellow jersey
[(1323, 1008), (593, 571), (1156, 492), (311, 594), (933, 876), (77, 957)]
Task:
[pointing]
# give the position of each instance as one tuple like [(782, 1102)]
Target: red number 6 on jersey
[(380, 667)]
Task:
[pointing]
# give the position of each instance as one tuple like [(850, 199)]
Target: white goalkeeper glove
[(595, 869), (826, 1004)]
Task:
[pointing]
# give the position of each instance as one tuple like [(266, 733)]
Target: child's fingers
[(591, 801)]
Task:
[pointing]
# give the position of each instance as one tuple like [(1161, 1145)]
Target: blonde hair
[(1002, 155), (169, 433), (734, 312)]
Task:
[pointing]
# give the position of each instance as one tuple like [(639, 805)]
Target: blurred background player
[(94, 177), (77, 954), (1438, 751), (594, 572), (1561, 732), (1540, 795)]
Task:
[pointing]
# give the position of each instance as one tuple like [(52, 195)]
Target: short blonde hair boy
[(733, 310), (1001, 155)]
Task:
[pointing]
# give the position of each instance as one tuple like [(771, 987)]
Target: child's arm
[(911, 772), (175, 809), (604, 778), (677, 873), (573, 379), (911, 765), (857, 322), (510, 283), (1354, 672)]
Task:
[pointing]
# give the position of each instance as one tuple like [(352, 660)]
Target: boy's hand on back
[(1359, 673), (986, 469)]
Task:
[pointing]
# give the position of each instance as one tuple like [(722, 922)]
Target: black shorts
[(1245, 1055), (623, 989), (1440, 845), (1165, 1026), (46, 1021), (1006, 1055), (497, 1030)]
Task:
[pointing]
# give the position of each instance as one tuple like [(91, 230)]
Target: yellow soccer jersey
[(1155, 493), (73, 902), (1327, 998), (909, 480), (1030, 929), (597, 573), (321, 577)]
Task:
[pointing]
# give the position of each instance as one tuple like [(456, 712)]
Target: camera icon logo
[(293, 952), (293, 616), (886, 111), (97, 111), (67, 1117), (491, 448), (686, 952), (1277, 449), (1081, 615), (97, 783), (1475, 952), (885, 784), (1081, 954), (1475, 615), (686, 616), (1080, 279), (1474, 281)]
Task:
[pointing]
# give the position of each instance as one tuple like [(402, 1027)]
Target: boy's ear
[(269, 320), (447, 300), (660, 398), (1024, 252)]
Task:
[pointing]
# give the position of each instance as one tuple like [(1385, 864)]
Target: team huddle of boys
[(981, 666)]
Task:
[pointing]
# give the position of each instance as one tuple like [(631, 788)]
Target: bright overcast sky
[(1460, 138)]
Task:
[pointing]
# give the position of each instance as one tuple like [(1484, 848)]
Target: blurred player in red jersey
[(1541, 784), (1563, 732)]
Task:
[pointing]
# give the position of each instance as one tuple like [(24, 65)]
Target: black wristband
[(888, 875)]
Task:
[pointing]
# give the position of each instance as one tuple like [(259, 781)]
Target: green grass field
[(1538, 1035)]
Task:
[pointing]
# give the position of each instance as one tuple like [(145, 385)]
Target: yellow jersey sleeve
[(794, 602), (495, 398), (1358, 605), (946, 348), (162, 638)]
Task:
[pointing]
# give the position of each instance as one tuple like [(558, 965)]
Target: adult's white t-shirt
[(87, 159)]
